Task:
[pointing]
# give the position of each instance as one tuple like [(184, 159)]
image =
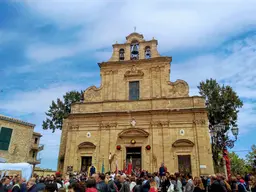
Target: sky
[(49, 47)]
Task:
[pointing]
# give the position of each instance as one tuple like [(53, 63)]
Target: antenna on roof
[(135, 29)]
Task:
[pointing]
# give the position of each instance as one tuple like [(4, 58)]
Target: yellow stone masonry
[(174, 125), (22, 142)]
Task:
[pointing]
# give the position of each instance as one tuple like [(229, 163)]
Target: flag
[(102, 167), (116, 167), (124, 168)]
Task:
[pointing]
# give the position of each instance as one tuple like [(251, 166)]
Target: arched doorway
[(133, 138), (183, 148), (86, 150)]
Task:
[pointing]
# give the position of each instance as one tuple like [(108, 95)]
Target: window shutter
[(5, 138)]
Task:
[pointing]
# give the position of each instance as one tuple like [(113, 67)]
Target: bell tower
[(136, 72), (135, 48)]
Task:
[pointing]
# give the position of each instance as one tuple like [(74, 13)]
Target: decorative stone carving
[(133, 122), (157, 68), (199, 121), (74, 127), (133, 132), (107, 125), (183, 143), (178, 88), (86, 145), (160, 123), (134, 36), (110, 72), (92, 94), (134, 72)]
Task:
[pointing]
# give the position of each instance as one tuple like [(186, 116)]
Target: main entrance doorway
[(86, 162), (184, 162), (134, 153)]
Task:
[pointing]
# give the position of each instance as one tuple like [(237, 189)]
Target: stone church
[(138, 115)]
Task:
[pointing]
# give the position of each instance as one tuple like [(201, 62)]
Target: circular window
[(88, 134), (182, 132)]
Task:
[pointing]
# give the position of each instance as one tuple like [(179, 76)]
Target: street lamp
[(218, 139), (218, 136), (234, 131)]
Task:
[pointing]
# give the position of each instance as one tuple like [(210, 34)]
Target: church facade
[(138, 115)]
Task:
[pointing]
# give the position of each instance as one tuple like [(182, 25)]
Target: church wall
[(163, 128), (170, 121)]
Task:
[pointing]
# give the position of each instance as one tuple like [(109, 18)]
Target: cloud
[(36, 101), (31, 106), (45, 53), (237, 68), (176, 24)]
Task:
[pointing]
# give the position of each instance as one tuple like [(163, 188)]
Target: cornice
[(156, 111), (116, 101), (135, 62), (13, 120)]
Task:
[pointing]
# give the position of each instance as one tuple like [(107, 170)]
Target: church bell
[(135, 50)]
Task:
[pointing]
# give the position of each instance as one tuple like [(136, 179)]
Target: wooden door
[(184, 163)]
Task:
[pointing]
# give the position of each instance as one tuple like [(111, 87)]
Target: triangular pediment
[(183, 143), (133, 132)]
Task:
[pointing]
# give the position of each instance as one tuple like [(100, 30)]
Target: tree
[(222, 104), (238, 165), (60, 109), (251, 158)]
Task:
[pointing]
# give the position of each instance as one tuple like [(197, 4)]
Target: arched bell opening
[(121, 54), (134, 50), (147, 52)]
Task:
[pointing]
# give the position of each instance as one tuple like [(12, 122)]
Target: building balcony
[(34, 161), (37, 147)]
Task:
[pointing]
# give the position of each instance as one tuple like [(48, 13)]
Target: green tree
[(250, 158), (60, 109), (223, 106), (238, 165)]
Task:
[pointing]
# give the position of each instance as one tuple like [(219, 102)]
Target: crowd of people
[(120, 182)]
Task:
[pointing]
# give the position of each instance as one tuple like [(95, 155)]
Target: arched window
[(134, 50), (147, 52), (121, 54)]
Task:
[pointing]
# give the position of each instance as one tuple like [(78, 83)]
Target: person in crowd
[(252, 184), (164, 184), (7, 184), (198, 185), (17, 184), (138, 186), (91, 185), (162, 170), (189, 187), (100, 182), (153, 187), (51, 185), (179, 183), (216, 185), (31, 185), (125, 185), (233, 184), (157, 180), (132, 183), (92, 170), (145, 184)]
